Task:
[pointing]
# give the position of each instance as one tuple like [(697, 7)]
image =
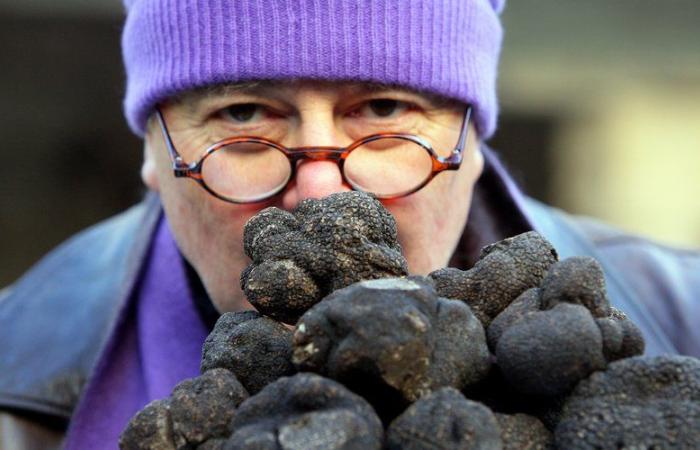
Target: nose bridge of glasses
[(317, 153)]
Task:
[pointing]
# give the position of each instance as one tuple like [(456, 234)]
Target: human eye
[(243, 113), (382, 108)]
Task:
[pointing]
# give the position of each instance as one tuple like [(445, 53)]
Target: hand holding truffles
[(522, 351)]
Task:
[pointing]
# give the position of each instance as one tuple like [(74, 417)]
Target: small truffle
[(504, 270), (527, 302), (256, 349), (521, 431), (548, 352), (323, 245), (636, 403), (384, 337), (444, 420), (577, 280), (621, 337), (150, 429), (202, 407), (306, 412)]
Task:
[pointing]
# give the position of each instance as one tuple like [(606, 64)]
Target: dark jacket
[(55, 320)]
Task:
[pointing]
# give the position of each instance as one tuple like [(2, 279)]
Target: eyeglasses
[(252, 169)]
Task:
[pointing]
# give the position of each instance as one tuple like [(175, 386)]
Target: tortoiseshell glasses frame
[(338, 154)]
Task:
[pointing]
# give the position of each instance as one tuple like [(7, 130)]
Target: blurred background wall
[(600, 116)]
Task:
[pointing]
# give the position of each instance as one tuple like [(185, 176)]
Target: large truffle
[(256, 349), (323, 245), (636, 403), (504, 270), (444, 420), (392, 336), (305, 412)]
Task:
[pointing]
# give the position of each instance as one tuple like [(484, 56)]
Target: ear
[(148, 168)]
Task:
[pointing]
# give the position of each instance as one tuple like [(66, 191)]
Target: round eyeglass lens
[(246, 171), (388, 167)]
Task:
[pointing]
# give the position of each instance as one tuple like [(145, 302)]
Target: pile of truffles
[(522, 351)]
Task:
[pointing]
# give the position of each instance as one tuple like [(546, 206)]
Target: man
[(117, 316)]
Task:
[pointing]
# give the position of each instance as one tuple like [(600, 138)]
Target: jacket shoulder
[(55, 319), (656, 284)]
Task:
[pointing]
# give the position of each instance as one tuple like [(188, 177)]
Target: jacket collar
[(55, 320)]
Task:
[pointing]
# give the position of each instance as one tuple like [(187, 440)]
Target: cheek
[(427, 210), (205, 227), (431, 221)]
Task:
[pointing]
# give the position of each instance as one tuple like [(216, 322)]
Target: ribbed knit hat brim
[(447, 47)]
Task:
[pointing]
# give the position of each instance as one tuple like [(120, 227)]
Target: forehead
[(285, 88)]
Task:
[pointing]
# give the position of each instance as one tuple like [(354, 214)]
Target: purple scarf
[(156, 344)]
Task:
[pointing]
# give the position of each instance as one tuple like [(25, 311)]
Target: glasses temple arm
[(465, 130), (174, 155)]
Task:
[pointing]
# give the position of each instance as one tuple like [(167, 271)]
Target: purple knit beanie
[(447, 47)]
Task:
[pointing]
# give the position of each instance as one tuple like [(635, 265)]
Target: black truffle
[(394, 335), (577, 280), (444, 420), (551, 337), (504, 271), (256, 349), (323, 245), (527, 302), (202, 407), (150, 429), (621, 337), (199, 409), (305, 411), (636, 403), (548, 352), (522, 431)]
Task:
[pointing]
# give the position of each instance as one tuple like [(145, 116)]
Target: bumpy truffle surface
[(256, 349), (308, 412), (521, 431), (577, 280), (392, 333), (636, 403), (527, 302), (444, 420), (548, 352), (150, 429), (202, 407), (323, 245), (621, 337), (551, 337), (504, 270)]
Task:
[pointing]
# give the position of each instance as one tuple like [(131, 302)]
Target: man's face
[(209, 231)]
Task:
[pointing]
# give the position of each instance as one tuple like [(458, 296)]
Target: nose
[(313, 179)]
